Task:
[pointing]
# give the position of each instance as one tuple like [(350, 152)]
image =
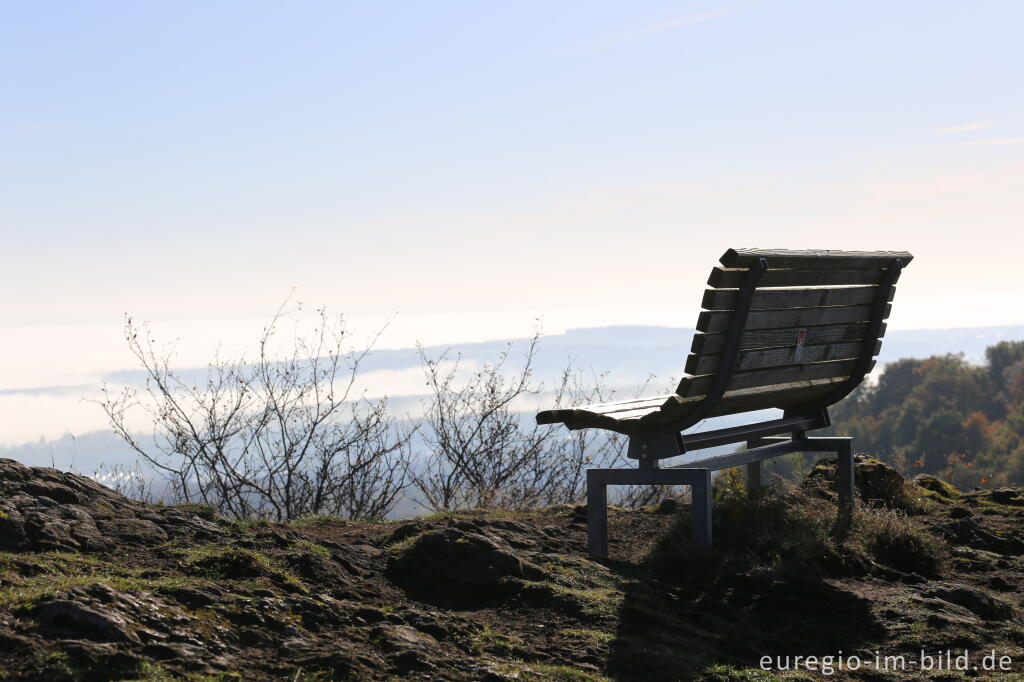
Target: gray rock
[(55, 491), (49, 533), (12, 533), (13, 471), (194, 597), (134, 531), (88, 536), (404, 638), (109, 595), (65, 617), (972, 533), (1008, 496), (42, 509), (974, 600)]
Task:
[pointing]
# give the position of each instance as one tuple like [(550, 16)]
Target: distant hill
[(628, 353), (631, 352)]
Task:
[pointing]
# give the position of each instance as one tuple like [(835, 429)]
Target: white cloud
[(76, 389), (672, 25), (966, 128), (997, 142)]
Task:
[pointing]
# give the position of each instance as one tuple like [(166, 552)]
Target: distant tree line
[(944, 416)]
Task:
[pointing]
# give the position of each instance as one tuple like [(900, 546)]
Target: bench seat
[(650, 415)]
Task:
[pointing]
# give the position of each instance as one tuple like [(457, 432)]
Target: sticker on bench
[(801, 341)]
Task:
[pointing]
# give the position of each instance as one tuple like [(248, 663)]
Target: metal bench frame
[(762, 439)]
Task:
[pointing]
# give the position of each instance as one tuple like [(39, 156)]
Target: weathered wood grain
[(623, 406), (674, 408), (699, 385), (616, 420), (718, 321), (615, 405), (609, 408), (773, 299), (767, 338), (814, 259), (745, 400), (775, 357), (724, 278)]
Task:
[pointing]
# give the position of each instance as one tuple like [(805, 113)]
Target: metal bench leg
[(845, 482), (597, 516), (700, 493), (753, 476)]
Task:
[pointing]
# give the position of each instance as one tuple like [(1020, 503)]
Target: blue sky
[(471, 166)]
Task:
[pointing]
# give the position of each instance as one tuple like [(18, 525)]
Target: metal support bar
[(746, 432), (842, 446), (761, 445), (736, 459), (808, 443), (671, 444), (845, 483), (646, 464), (697, 475), (700, 496), (753, 476), (660, 446), (598, 481), (597, 515), (666, 476)]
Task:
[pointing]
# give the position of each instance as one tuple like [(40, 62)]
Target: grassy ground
[(493, 595)]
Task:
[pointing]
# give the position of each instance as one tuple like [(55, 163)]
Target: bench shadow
[(688, 612)]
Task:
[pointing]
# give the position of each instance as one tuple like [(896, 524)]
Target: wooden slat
[(815, 259), (625, 406), (638, 413), (615, 405), (779, 395), (699, 385), (775, 357), (745, 400), (674, 408), (767, 338), (724, 278), (616, 409), (771, 299), (579, 419), (622, 422), (718, 321)]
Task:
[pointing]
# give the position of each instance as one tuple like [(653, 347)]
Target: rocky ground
[(96, 586)]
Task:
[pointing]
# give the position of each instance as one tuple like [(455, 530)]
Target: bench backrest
[(788, 329)]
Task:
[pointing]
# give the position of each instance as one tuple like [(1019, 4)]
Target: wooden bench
[(794, 330)]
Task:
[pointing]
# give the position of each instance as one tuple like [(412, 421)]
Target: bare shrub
[(483, 452), (480, 455), (280, 437)]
